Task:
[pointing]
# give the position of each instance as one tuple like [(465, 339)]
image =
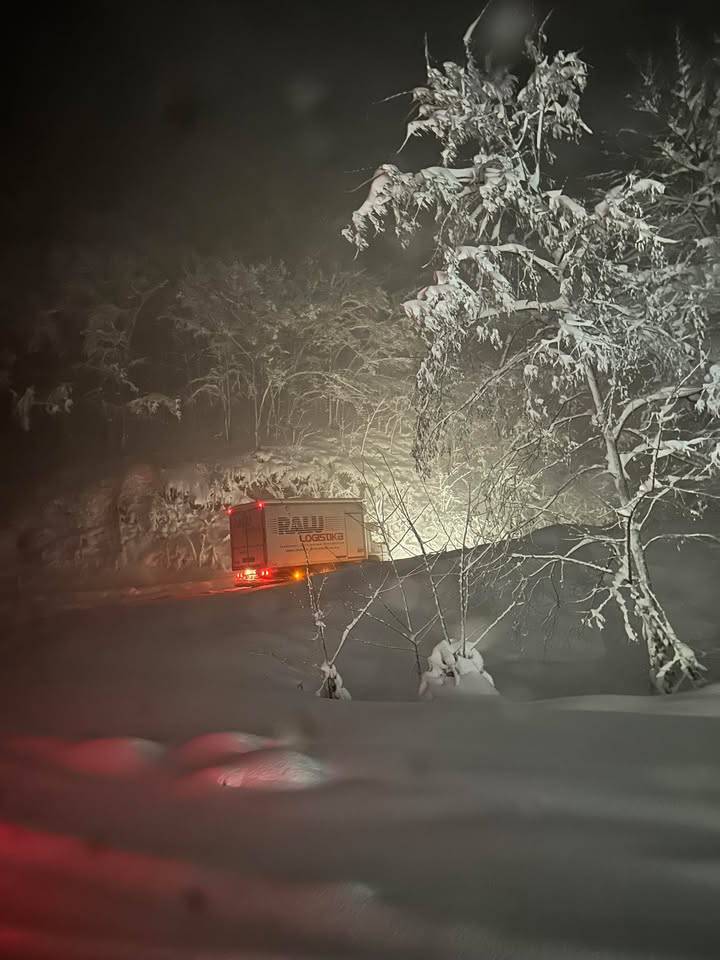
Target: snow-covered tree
[(212, 312), (305, 346), (31, 369), (583, 311), (678, 140), (114, 366), (356, 348), (681, 137), (104, 304)]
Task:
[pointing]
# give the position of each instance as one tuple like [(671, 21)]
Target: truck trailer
[(282, 539)]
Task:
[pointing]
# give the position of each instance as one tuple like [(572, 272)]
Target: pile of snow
[(455, 668)]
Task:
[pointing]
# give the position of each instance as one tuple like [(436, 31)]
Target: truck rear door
[(355, 533), (247, 541)]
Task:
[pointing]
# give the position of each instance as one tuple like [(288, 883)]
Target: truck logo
[(297, 525)]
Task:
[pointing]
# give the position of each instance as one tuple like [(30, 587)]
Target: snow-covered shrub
[(680, 142), (332, 685), (57, 400), (455, 669)]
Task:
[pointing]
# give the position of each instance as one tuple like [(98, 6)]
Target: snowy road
[(85, 599)]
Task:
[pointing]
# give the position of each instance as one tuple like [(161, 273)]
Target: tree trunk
[(671, 661), (226, 420)]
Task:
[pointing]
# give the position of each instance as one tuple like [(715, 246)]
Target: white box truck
[(281, 539)]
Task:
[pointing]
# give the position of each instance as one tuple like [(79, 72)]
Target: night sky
[(228, 124)]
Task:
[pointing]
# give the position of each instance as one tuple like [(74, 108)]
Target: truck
[(274, 540)]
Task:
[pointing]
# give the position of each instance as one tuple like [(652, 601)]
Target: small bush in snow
[(455, 668)]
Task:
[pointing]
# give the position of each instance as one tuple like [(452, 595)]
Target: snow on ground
[(170, 787), (443, 830), (199, 636)]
